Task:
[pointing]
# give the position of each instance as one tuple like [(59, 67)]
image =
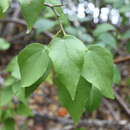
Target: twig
[(122, 103), (23, 23), (57, 17), (89, 123), (109, 106), (56, 14), (52, 6), (122, 59)]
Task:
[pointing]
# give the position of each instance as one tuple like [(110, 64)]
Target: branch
[(16, 21), (10, 27), (23, 23)]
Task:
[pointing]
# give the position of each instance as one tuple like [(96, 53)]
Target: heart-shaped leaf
[(33, 62), (77, 106), (93, 100), (98, 69), (31, 10), (67, 56)]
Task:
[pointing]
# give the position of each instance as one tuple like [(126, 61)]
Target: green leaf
[(128, 46), (4, 5), (6, 96), (32, 88), (43, 25), (33, 62), (31, 10), (86, 37), (93, 100), (79, 32), (77, 106), (117, 75), (18, 91), (13, 68), (81, 129), (1, 115), (98, 69), (9, 124), (108, 40), (101, 28), (23, 110), (118, 3), (4, 45), (1, 13), (125, 8), (127, 82), (8, 113), (9, 81), (126, 35), (53, 2), (72, 30), (67, 57)]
